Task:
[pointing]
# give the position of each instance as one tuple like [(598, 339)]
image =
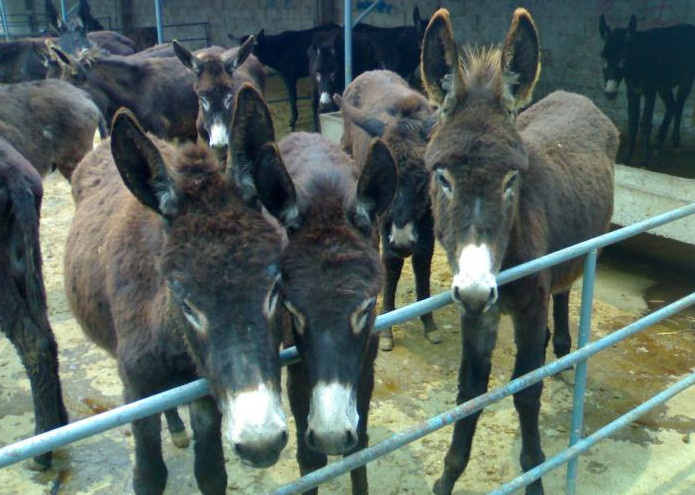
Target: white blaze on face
[(253, 417), (333, 410), (403, 236), (325, 98), (474, 280), (611, 86), (218, 135)]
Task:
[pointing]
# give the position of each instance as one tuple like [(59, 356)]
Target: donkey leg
[(393, 265), (422, 265), (150, 472), (562, 340), (670, 104), (38, 352), (291, 87), (646, 125), (177, 429), (209, 469), (529, 326), (633, 112), (683, 93), (479, 334), (299, 396), (358, 476)]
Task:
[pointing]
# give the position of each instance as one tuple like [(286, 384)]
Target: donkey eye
[(191, 315), (297, 317), (228, 101), (509, 185), (272, 299), (443, 182), (205, 103), (360, 317)]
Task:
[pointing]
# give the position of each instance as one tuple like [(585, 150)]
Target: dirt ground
[(653, 456)]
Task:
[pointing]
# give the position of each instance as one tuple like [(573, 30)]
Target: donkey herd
[(201, 244)]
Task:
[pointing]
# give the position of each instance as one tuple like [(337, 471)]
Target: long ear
[(54, 18), (275, 187), (241, 55), (603, 28), (252, 127), (440, 68), (521, 58), (416, 17), (376, 186), (371, 125), (141, 165), (632, 26), (188, 59)]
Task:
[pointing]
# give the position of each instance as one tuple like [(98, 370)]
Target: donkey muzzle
[(333, 419)]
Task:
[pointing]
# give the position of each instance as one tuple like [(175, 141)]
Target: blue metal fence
[(158, 403)]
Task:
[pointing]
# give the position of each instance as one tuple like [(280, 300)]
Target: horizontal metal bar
[(420, 430), (588, 442), (127, 413), (366, 12)]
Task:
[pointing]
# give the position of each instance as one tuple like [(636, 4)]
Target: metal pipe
[(3, 14), (64, 10), (581, 370), (119, 416), (347, 28), (158, 20), (581, 446), (418, 431), (366, 12)]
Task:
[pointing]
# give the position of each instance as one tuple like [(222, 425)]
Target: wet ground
[(653, 456)]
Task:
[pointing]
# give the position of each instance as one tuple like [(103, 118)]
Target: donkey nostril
[(350, 438), (456, 295), (238, 449), (283, 437), (310, 440)]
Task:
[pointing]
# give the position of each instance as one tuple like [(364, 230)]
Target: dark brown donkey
[(23, 315), (218, 77), (172, 269), (381, 104), (331, 275), (505, 193)]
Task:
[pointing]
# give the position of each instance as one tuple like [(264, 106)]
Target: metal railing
[(119, 416)]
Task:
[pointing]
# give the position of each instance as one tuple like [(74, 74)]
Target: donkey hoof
[(442, 487), (434, 336), (385, 343), (38, 465), (180, 439)]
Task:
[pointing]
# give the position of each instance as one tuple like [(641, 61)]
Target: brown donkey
[(506, 192), (331, 275), (218, 77), (380, 103), (23, 316), (172, 268)]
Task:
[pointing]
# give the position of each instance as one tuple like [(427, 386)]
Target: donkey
[(326, 55), (652, 61), (51, 123), (159, 91), (287, 54), (217, 79), (172, 268), (504, 193), (331, 275), (23, 314), (381, 104)]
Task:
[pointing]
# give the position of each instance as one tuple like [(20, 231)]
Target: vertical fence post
[(158, 19), (580, 373), (347, 26), (3, 14)]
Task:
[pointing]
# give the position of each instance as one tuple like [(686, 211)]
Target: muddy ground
[(653, 456)]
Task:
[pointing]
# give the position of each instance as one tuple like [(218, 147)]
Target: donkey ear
[(376, 186), (521, 55), (252, 127), (416, 16), (241, 55), (440, 67), (632, 26), (141, 164), (53, 18), (603, 28), (190, 61), (275, 187), (371, 125)]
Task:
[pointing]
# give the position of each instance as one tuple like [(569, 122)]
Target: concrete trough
[(639, 194)]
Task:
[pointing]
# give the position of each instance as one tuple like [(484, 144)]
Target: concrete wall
[(568, 29)]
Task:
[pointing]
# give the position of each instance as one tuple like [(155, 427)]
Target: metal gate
[(158, 403)]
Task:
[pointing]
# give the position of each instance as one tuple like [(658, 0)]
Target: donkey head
[(331, 275), (406, 138), (476, 156), (326, 66), (215, 87), (220, 263), (72, 35), (615, 53)]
